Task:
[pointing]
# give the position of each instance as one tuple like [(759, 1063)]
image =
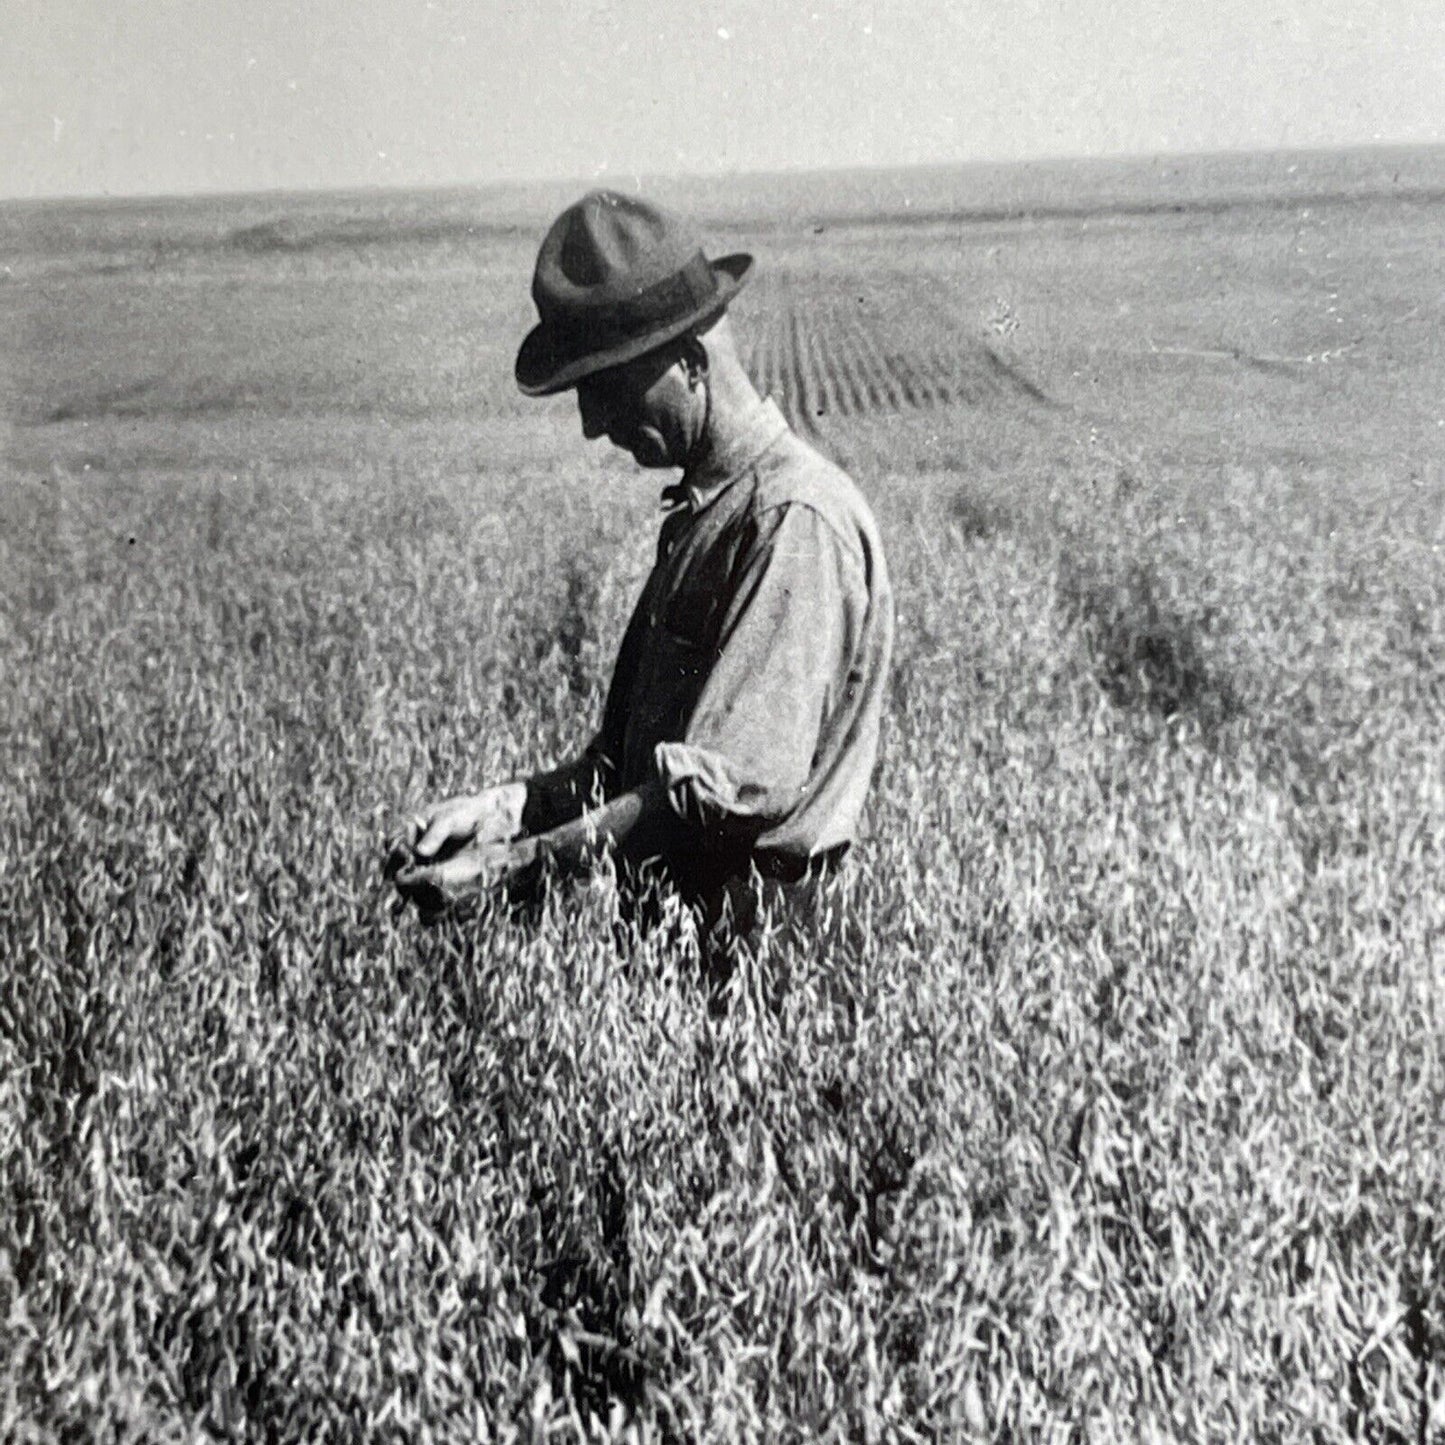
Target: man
[(741, 725)]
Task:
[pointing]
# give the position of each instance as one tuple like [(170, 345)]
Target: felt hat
[(617, 277)]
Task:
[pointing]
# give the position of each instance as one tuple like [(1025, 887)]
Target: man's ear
[(694, 359)]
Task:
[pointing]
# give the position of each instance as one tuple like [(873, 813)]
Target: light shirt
[(751, 678)]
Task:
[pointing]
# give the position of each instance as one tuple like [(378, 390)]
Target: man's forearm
[(562, 794), (638, 822)]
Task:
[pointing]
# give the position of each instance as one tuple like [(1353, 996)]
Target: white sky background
[(160, 96)]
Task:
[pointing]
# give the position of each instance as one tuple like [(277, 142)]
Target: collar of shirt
[(724, 462)]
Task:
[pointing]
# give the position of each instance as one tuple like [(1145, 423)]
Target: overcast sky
[(160, 96)]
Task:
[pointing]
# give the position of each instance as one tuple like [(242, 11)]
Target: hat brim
[(547, 364)]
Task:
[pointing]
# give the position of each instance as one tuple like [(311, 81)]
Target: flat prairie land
[(1108, 1107)]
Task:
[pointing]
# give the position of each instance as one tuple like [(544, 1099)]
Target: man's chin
[(644, 452)]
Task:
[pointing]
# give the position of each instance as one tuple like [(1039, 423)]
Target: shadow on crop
[(977, 517), (1149, 650)]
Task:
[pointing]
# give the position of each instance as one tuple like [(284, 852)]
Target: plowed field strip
[(1010, 377), (845, 358), (832, 362), (875, 365), (917, 390), (945, 372), (825, 349), (812, 400), (777, 358), (810, 384), (871, 389), (799, 392), (787, 378), (825, 401), (847, 362), (774, 369)]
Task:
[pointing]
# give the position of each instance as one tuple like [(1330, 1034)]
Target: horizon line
[(501, 183)]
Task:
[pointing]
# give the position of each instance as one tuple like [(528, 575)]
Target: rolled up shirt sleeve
[(783, 652)]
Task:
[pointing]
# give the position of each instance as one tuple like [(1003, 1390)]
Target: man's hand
[(467, 874), (492, 816), (459, 848)]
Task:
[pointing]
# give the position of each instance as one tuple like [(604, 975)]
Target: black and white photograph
[(722, 723)]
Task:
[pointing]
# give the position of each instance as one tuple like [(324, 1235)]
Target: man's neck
[(736, 428)]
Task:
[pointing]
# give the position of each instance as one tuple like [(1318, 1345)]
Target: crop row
[(833, 362)]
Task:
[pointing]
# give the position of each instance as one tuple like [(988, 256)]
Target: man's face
[(645, 407)]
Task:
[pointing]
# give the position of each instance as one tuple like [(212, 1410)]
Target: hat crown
[(605, 248), (617, 276)]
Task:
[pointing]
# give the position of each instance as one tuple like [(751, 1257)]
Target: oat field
[(1109, 1106)]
